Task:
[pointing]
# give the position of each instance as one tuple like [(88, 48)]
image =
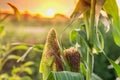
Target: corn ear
[(51, 55), (73, 58)]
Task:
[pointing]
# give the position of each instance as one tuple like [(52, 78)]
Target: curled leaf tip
[(16, 11)]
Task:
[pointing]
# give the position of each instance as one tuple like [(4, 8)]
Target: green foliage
[(95, 77), (26, 78), (16, 71), (79, 36), (98, 43), (23, 68), (90, 39), (65, 75), (95, 39), (111, 8), (2, 32), (116, 66), (7, 54)]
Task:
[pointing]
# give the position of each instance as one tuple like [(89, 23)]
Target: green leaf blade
[(95, 77), (80, 37), (16, 11), (111, 8), (116, 67), (98, 43), (65, 75), (116, 35)]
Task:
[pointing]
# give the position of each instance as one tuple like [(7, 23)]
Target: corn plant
[(6, 55), (78, 63), (17, 70), (90, 38), (5, 49)]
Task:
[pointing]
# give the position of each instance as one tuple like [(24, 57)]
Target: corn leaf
[(111, 8), (15, 77), (46, 67), (2, 32), (20, 47), (98, 7), (29, 63), (65, 75), (83, 71), (13, 57), (116, 66), (98, 43), (82, 68), (4, 18), (79, 36), (26, 78), (25, 54), (16, 11), (95, 77), (38, 48), (81, 7), (4, 76), (1, 29), (28, 70)]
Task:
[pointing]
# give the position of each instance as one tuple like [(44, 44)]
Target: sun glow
[(49, 13), (46, 8), (49, 9)]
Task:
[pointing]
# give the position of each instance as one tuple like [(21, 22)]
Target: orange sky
[(44, 7)]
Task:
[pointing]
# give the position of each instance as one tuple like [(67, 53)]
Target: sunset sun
[(49, 13)]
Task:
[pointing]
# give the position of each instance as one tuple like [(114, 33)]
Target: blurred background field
[(31, 31)]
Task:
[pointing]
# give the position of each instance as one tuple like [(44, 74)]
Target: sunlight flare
[(49, 12)]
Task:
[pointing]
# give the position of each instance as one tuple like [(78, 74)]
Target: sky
[(43, 7), (46, 8)]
